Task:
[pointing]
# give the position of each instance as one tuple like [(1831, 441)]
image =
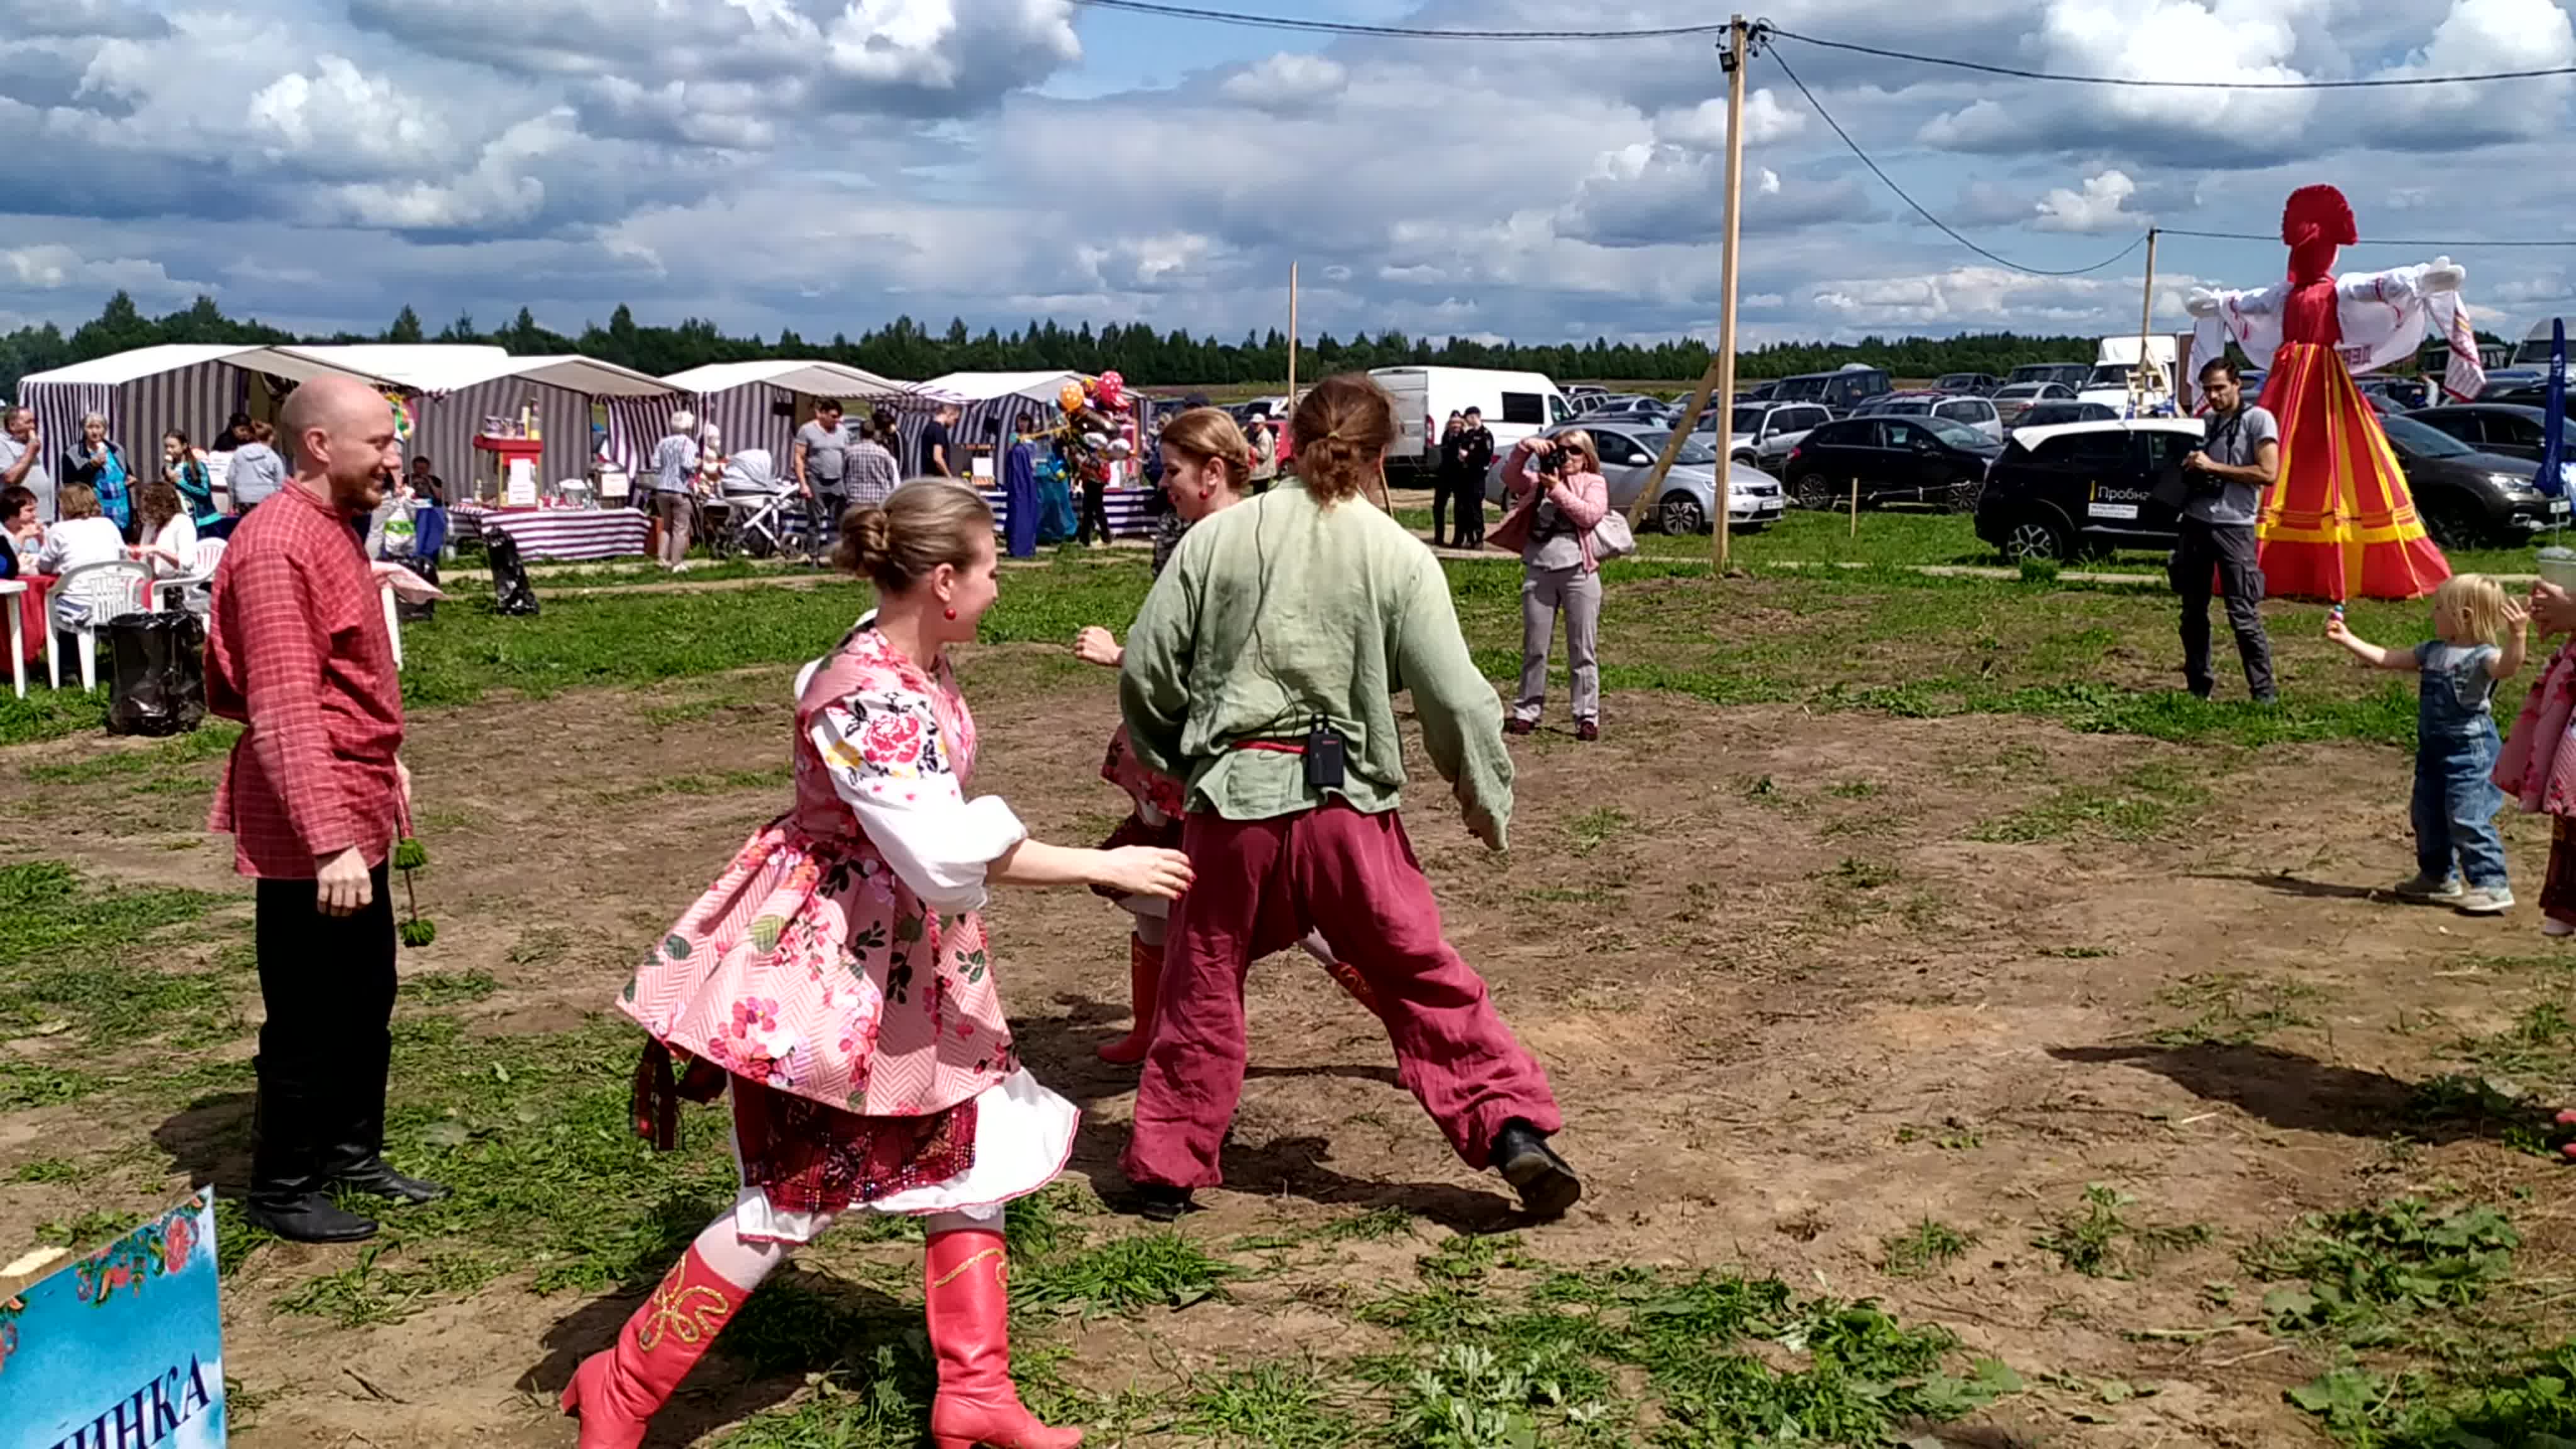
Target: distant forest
[(907, 349)]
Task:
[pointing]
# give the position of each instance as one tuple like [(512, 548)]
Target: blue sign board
[(123, 1349)]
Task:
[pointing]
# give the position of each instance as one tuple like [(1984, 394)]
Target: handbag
[(1612, 538), (1512, 533)]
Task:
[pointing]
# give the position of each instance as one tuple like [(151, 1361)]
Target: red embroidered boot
[(615, 1391), (1144, 980), (965, 1281), (1348, 977)]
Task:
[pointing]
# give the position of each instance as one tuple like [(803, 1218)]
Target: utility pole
[(1720, 376), (2146, 329), (1292, 342)]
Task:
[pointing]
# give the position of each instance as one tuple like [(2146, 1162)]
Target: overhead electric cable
[(2384, 82), (1312, 26)]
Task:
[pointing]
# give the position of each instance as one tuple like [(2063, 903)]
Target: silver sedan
[(1689, 496)]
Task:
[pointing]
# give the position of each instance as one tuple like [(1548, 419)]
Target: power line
[(2367, 83), (2376, 241), (1388, 32), (1946, 229)]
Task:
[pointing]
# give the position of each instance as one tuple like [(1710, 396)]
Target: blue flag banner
[(124, 1347), (2554, 461)]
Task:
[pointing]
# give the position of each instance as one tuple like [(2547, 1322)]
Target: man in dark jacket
[(1475, 453)]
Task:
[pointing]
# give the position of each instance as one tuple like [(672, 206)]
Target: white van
[(1515, 405), (2113, 383)]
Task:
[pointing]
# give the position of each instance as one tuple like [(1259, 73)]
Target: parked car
[(2513, 430), (1758, 392), (1689, 496), (1886, 400), (1585, 394), (1975, 412), (2015, 398), (1841, 391), (1967, 384), (1765, 432), (1894, 460), (1633, 409), (2504, 381), (2520, 394), (2071, 489), (2468, 497), (2068, 375), (2406, 393), (2058, 412)]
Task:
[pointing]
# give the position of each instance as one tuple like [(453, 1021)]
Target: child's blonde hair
[(2478, 601)]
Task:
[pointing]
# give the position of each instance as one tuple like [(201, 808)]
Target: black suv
[(2089, 488), (1890, 460), (1841, 391), (2084, 488)]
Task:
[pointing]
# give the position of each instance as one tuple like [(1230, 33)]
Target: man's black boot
[(1546, 1185)]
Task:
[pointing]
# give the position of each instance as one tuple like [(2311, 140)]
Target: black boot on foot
[(286, 1180), (373, 1177), (1546, 1185), (355, 1153), (1158, 1203), (310, 1218)]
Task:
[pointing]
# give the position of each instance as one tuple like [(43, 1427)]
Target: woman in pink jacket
[(1559, 570)]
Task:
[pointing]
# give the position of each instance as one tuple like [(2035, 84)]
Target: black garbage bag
[(511, 591), (411, 613), (156, 674)]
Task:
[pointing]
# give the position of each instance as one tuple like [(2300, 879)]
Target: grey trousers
[(676, 512), (1543, 593)]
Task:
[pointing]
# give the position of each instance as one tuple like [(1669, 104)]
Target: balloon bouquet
[(1098, 430)]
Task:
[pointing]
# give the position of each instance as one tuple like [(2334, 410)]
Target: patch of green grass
[(87, 1232), (386, 1286), (1863, 875), (1592, 829), (435, 990), (2150, 801), (2230, 1008), (25, 1084), (715, 783), (2365, 1268), (1147, 1270), (2537, 1051), (211, 742), (74, 951), (47, 1169), (1377, 1225), (1855, 790), (2522, 1401), (1928, 1245), (2098, 1240), (1270, 1406)]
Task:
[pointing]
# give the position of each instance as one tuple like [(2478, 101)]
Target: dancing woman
[(835, 981), (1207, 467), (1262, 670)]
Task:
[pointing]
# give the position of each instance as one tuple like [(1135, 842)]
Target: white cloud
[(54, 268), (2478, 37), (497, 191), (2099, 207), (1287, 80), (340, 110), (1703, 127)]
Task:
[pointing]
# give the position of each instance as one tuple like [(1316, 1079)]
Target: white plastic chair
[(198, 580), (112, 590)]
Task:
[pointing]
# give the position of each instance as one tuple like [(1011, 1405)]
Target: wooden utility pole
[(2146, 331), (1720, 376), (1292, 341)]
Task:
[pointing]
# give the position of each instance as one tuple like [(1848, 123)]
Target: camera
[(1553, 461)]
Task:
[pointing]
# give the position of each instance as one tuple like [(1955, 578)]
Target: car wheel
[(2451, 525), (2039, 538), (1680, 515), (1963, 494), (1815, 491)]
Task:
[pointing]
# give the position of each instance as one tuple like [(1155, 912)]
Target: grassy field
[(1952, 1040)]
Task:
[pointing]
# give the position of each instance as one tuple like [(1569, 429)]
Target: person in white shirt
[(82, 536), (169, 534)]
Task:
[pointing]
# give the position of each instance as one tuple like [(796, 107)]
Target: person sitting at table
[(169, 534), (82, 536), (96, 462), (426, 486), (20, 534)]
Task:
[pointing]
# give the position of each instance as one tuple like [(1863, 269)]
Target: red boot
[(616, 1390), (964, 1280), (1144, 979)]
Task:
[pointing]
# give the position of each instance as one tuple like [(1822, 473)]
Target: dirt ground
[(1800, 981)]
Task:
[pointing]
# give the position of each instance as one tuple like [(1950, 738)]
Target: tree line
[(905, 348)]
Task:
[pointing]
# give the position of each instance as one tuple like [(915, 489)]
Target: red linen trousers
[(1261, 885)]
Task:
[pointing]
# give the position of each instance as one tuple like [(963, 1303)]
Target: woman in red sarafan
[(2339, 521), (836, 984)]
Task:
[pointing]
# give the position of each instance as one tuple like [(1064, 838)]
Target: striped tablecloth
[(1125, 507), (559, 533)]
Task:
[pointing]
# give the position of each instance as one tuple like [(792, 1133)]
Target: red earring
[(1206, 494), (951, 613)]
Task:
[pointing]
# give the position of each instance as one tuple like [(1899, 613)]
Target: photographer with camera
[(2237, 461), (1558, 498)]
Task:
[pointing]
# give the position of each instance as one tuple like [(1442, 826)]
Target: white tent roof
[(975, 387), (450, 367), (119, 368), (815, 378)]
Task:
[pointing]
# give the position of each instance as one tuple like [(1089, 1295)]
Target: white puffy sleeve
[(889, 763), (2383, 315), (2251, 320)]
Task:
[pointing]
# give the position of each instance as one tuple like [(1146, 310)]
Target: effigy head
[(2314, 226)]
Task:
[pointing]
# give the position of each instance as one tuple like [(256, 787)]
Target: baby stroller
[(750, 515)]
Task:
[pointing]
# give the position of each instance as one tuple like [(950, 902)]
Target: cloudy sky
[(826, 164)]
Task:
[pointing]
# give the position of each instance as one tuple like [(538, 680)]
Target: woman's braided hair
[(1343, 429)]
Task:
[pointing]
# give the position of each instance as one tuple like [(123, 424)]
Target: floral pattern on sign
[(144, 1254)]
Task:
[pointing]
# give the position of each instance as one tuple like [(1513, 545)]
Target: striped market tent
[(752, 404), (1018, 400), (194, 388), (458, 388)]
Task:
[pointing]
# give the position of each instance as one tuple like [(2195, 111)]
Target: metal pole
[(1292, 339)]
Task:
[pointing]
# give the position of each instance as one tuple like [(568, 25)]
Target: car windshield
[(1957, 434), (1800, 389), (2109, 374), (2416, 438), (1745, 421)]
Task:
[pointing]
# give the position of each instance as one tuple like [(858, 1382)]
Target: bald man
[(314, 798)]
